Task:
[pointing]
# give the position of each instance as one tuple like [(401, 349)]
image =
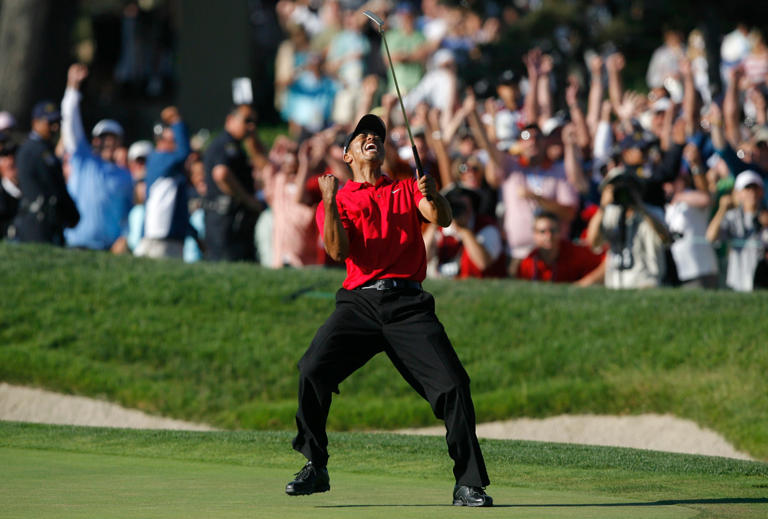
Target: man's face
[(365, 147), (241, 123), (633, 157), (531, 143), (8, 167), (107, 144), (471, 174), (750, 196), (546, 233), (45, 128), (138, 168), (508, 94)]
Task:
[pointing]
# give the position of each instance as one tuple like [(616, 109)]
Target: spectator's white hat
[(747, 178), (139, 149), (107, 126), (7, 121), (552, 124), (661, 105)]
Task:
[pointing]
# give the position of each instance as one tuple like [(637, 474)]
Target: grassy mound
[(219, 343)]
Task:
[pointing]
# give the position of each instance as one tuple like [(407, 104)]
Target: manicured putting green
[(43, 484)]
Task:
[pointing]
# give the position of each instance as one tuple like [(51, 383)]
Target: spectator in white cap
[(736, 223), (137, 165), (102, 190), (137, 159), (7, 121)]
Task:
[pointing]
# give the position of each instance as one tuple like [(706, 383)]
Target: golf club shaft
[(416, 158)]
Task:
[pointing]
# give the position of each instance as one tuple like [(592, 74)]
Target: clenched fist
[(329, 185)]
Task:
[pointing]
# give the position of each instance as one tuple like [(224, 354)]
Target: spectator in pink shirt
[(529, 182)]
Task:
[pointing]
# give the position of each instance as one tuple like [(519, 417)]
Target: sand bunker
[(648, 431)]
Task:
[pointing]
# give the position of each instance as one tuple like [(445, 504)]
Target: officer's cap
[(47, 110)]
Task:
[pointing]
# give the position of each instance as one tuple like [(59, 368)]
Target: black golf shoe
[(470, 496), (309, 480)]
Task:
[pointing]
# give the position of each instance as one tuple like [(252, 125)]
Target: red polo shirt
[(383, 224)]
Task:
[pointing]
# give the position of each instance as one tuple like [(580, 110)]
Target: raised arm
[(573, 170), (494, 169), (435, 142), (72, 132), (577, 116), (731, 107), (595, 94), (545, 90), (713, 229), (171, 117), (531, 102), (391, 158), (689, 97), (614, 64)]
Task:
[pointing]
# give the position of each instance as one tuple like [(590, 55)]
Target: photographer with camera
[(634, 234)]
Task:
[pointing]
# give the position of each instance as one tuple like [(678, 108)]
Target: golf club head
[(375, 19)]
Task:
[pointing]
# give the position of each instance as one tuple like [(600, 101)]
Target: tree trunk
[(35, 43)]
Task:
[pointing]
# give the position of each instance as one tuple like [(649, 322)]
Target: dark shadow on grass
[(666, 502)]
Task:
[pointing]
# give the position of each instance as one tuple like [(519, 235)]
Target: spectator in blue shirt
[(102, 190)]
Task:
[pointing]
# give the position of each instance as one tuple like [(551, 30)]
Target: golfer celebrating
[(374, 224)]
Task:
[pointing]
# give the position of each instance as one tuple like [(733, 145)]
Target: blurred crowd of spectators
[(584, 183)]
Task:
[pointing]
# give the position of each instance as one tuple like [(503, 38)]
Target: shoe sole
[(484, 504), (325, 488)]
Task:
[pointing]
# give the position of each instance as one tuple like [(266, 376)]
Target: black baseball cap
[(368, 123)]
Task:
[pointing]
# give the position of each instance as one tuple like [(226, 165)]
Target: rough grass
[(219, 343)]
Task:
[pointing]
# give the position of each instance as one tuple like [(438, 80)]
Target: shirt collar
[(356, 186)]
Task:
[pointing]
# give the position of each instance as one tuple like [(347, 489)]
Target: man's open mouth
[(371, 146)]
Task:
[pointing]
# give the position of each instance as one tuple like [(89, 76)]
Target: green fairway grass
[(219, 343), (68, 472)]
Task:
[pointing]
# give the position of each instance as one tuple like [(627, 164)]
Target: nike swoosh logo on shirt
[(395, 190)]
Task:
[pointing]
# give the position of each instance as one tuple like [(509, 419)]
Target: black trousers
[(402, 323)]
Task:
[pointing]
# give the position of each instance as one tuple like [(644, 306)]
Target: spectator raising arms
[(102, 190)]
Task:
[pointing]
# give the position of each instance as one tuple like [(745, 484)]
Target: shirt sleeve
[(72, 132), (320, 217)]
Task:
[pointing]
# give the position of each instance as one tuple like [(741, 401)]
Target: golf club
[(380, 23)]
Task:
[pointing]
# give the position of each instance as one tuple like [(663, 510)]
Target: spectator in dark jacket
[(46, 207)]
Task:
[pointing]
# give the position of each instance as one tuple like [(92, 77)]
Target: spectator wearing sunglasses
[(558, 260)]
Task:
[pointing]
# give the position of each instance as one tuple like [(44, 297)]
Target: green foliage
[(219, 343)]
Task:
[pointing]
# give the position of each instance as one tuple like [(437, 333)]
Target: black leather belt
[(391, 284)]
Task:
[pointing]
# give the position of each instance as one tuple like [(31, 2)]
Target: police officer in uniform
[(46, 207), (374, 224), (230, 206)]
